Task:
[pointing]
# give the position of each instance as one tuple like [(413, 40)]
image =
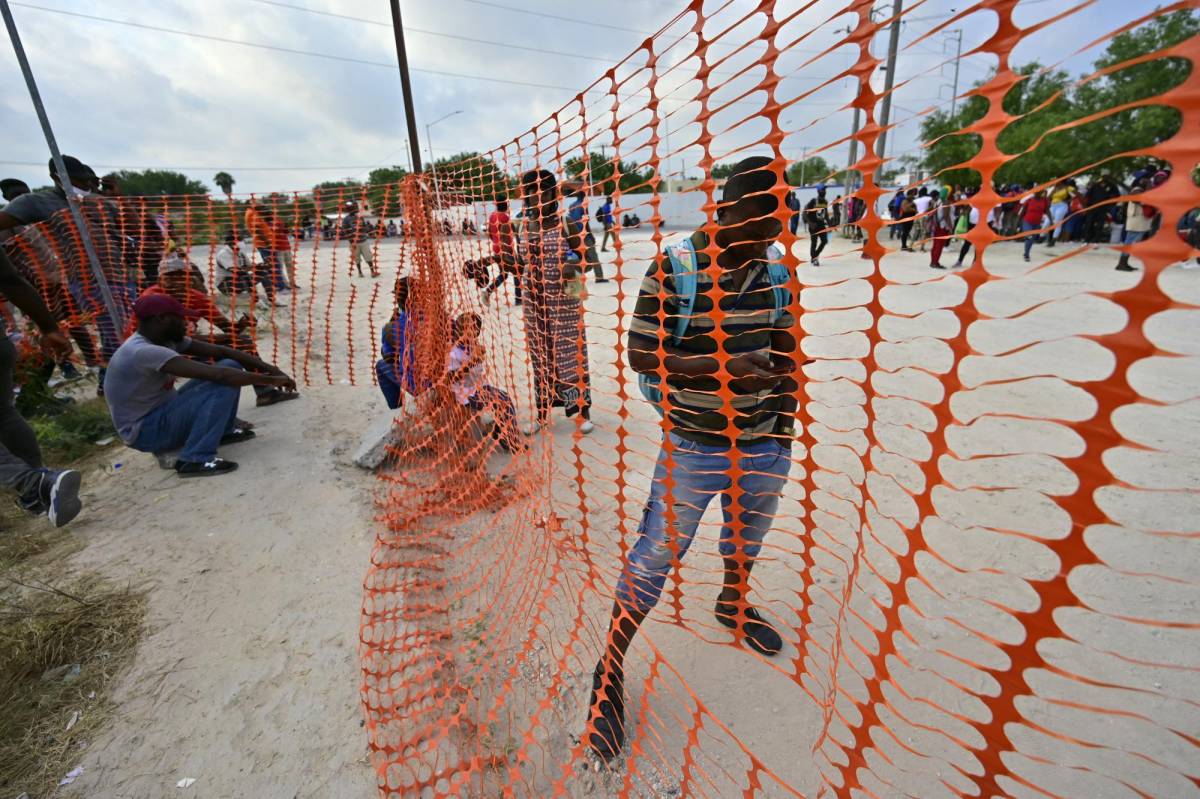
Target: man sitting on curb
[(151, 416)]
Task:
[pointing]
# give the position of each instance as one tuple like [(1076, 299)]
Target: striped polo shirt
[(695, 408)]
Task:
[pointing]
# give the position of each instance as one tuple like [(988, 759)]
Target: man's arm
[(189, 369), (24, 296), (252, 363)]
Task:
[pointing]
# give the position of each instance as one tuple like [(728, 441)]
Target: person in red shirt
[(175, 279), (504, 255), (284, 258), (1032, 213)]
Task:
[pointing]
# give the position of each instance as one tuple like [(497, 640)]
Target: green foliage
[(158, 181), (331, 195), (1049, 99), (602, 174), (383, 190), (73, 433), (809, 171), (471, 176), (224, 182)]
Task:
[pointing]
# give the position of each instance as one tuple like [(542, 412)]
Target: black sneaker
[(759, 634), (237, 435), (206, 469), (1125, 268), (606, 710), (63, 503)]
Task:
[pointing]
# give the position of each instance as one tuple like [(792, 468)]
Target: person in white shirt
[(465, 371), (924, 226)]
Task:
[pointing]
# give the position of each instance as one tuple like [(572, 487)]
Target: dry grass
[(64, 638)]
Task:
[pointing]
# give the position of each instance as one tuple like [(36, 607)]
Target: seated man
[(178, 278), (151, 416)]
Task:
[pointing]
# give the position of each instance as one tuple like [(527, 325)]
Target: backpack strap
[(780, 276), (682, 259)]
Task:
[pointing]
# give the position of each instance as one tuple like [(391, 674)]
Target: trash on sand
[(71, 722), (186, 782), (72, 775), (104, 442), (66, 672)]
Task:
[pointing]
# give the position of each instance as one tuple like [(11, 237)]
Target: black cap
[(75, 168)]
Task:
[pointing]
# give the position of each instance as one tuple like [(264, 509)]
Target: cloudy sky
[(181, 88)]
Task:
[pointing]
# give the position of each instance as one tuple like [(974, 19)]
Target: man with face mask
[(151, 416), (750, 436)]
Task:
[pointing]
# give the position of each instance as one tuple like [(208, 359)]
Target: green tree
[(332, 195), (809, 171), (602, 174), (1046, 100), (471, 176), (158, 181), (383, 190), (225, 182)]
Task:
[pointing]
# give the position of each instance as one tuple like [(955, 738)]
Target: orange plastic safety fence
[(978, 535)]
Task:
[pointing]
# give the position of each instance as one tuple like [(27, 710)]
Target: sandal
[(275, 395)]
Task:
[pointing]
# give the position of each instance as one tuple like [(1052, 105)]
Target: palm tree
[(225, 181)]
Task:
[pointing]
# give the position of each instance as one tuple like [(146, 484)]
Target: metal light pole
[(888, 81), (414, 143), (114, 312), (803, 159), (429, 142), (957, 59)]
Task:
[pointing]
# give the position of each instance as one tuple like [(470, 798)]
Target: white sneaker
[(587, 426)]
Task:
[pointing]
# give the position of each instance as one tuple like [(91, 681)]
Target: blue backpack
[(682, 258)]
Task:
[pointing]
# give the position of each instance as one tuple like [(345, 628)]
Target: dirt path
[(247, 679)]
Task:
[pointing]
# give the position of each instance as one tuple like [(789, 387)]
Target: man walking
[(605, 215), (755, 353), (818, 225), (54, 492)]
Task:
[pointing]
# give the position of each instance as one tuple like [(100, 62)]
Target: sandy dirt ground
[(248, 677)]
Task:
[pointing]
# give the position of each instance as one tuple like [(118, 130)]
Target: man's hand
[(754, 371), (55, 343), (280, 380)]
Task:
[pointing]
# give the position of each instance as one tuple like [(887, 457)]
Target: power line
[(574, 20), (410, 29), (292, 51)]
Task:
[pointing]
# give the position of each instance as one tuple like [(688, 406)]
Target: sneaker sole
[(64, 498)]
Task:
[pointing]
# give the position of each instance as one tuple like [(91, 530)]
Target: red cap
[(150, 305)]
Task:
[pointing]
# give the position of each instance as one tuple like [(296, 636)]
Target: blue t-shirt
[(575, 212), (606, 209), (395, 340)]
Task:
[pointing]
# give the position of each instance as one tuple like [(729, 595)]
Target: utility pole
[(803, 159), (957, 59), (889, 80), (115, 313), (414, 142)]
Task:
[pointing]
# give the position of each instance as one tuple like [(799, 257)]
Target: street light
[(429, 142)]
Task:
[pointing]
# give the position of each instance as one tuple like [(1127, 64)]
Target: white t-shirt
[(923, 204), (464, 389)]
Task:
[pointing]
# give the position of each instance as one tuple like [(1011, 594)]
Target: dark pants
[(816, 243), (608, 233), (962, 254), (193, 422), (509, 265), (905, 232), (20, 456)]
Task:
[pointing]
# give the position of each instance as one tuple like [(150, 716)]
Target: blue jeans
[(390, 383), (273, 266), (1029, 237), (195, 420), (698, 473), (90, 300), (1134, 236)]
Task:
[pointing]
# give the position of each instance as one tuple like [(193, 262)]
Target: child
[(394, 370), (465, 369)]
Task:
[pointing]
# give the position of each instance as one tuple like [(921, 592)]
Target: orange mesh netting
[(979, 535)]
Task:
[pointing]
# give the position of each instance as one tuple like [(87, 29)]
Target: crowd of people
[(143, 307)]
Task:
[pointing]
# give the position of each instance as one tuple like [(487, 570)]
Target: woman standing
[(1060, 205), (553, 309)]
